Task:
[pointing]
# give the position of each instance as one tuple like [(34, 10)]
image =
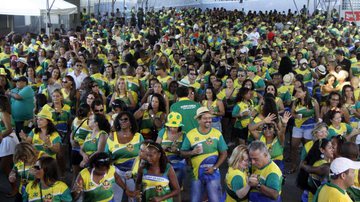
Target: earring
[(322, 156)]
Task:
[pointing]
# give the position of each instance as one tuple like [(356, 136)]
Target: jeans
[(213, 189)]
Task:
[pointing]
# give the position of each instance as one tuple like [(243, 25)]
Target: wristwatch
[(258, 186)]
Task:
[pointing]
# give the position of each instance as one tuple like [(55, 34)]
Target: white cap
[(341, 164), (302, 61), (357, 41)]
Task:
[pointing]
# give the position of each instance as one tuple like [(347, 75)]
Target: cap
[(357, 41), (341, 164), (201, 111), (174, 119), (302, 61), (321, 69), (21, 78)]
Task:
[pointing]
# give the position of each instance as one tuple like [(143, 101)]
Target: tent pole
[(296, 7)]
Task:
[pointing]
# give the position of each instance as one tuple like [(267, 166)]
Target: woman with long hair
[(236, 179), (124, 145), (337, 127), (305, 110), (352, 105), (25, 157), (44, 136), (316, 166), (243, 111), (334, 101), (171, 138), (268, 114), (46, 186), (79, 131), (8, 140), (70, 94), (123, 94), (228, 96), (271, 88), (215, 106), (157, 180), (97, 180), (152, 116), (320, 131), (96, 140)]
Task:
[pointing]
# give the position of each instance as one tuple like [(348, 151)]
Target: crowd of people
[(129, 109)]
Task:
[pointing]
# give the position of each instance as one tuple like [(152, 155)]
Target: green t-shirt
[(187, 108), (26, 104)]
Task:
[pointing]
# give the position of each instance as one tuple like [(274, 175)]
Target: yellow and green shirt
[(100, 192), (156, 185), (58, 192), (212, 143), (39, 143), (123, 155), (90, 144), (235, 180), (331, 193)]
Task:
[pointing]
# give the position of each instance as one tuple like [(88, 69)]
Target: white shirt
[(78, 79)]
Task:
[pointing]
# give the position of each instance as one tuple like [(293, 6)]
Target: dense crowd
[(129, 105)]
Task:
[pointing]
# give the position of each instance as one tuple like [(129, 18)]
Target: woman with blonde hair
[(121, 92), (236, 180)]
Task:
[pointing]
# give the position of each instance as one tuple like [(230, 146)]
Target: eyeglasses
[(242, 75), (37, 167), (98, 110), (124, 120), (64, 81), (91, 98)]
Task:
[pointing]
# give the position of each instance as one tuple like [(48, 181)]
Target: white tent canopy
[(36, 7)]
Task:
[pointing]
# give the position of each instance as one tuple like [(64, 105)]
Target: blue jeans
[(213, 189)]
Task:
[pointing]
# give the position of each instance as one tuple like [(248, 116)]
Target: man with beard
[(206, 148)]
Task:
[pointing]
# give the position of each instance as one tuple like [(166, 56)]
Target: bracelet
[(258, 186)]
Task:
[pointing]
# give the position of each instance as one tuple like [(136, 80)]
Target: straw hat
[(201, 111), (174, 119), (288, 79)]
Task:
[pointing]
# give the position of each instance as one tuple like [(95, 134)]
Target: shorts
[(76, 158), (302, 133)]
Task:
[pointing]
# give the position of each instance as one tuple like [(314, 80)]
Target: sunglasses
[(79, 65), (91, 98), (100, 110), (124, 120), (268, 127), (242, 75), (37, 167), (95, 86), (64, 81)]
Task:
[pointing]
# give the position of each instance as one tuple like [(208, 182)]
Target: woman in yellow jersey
[(71, 96), (24, 158), (352, 105), (236, 180), (337, 127), (123, 94), (274, 138), (162, 76), (152, 116), (79, 131), (56, 75), (316, 166), (124, 145), (46, 187), (228, 95), (96, 182), (156, 88), (96, 140), (270, 88), (351, 151), (44, 136), (319, 132), (110, 74), (215, 106), (171, 138), (333, 101), (157, 180), (305, 111)]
